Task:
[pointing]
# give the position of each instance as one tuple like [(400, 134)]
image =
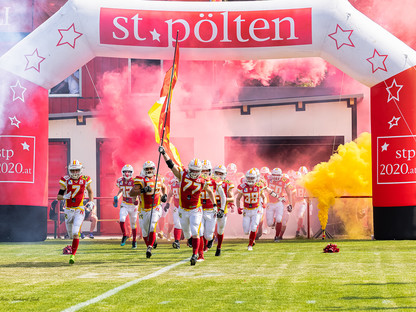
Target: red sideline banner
[(393, 129)]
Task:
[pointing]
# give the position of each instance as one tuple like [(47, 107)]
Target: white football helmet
[(264, 171), (75, 169), (220, 171), (195, 168), (149, 168), (277, 174), (297, 175), (251, 176), (232, 169), (206, 167), (285, 175), (303, 170), (127, 171), (169, 176)]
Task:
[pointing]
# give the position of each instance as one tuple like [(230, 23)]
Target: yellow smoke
[(347, 173)]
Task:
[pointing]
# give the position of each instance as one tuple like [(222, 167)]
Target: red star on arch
[(68, 36), (377, 61)]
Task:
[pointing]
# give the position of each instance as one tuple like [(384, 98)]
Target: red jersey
[(206, 201), (190, 191), (175, 191), (126, 186), (226, 185), (77, 188), (251, 195), (279, 187), (146, 198), (300, 192)]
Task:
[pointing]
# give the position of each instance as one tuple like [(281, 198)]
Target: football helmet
[(285, 175), (206, 167), (195, 168), (264, 171), (303, 170), (149, 168), (277, 174), (232, 169), (127, 171), (251, 176), (297, 175), (169, 176), (75, 169), (220, 171)]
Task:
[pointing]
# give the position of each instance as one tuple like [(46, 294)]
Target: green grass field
[(293, 275)]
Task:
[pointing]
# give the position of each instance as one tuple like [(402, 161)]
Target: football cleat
[(209, 244), (176, 244), (71, 259), (218, 252), (303, 230), (190, 242), (155, 245), (123, 240), (91, 235), (297, 234), (149, 252), (200, 258), (276, 239), (194, 258), (82, 235), (134, 245), (250, 248)]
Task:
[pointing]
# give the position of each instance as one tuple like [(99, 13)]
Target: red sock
[(278, 228), (252, 237), (300, 222), (134, 231), (177, 233), (220, 239), (123, 228), (201, 246), (195, 245), (145, 240), (151, 239), (75, 243), (205, 242)]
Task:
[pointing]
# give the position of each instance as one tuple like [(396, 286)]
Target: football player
[(209, 217), (152, 192), (300, 200), (72, 190), (220, 172), (128, 205), (190, 210), (173, 196), (252, 193), (279, 185)]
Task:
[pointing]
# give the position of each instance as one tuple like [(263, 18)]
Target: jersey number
[(189, 183)]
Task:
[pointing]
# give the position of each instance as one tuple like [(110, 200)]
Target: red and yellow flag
[(159, 113)]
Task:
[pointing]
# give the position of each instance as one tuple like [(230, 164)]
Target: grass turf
[(293, 275)]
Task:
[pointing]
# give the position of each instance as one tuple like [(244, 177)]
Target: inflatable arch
[(331, 29)]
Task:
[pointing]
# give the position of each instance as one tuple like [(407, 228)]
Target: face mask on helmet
[(75, 169), (277, 174), (127, 171), (251, 177), (220, 172), (149, 169), (195, 168)]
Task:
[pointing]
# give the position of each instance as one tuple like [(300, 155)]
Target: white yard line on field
[(124, 286)]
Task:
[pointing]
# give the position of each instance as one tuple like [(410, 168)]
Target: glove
[(67, 195), (263, 205), (240, 210), (115, 201), (215, 208), (166, 207), (90, 206), (162, 150), (164, 198), (146, 189), (232, 207), (220, 214), (136, 202), (289, 208)]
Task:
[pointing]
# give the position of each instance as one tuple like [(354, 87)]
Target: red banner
[(206, 29)]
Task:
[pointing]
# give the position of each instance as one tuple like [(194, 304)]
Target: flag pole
[(163, 132)]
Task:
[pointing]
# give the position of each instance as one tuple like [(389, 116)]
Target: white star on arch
[(342, 37), (14, 121), (18, 91), (394, 122), (384, 147), (33, 61), (396, 90), (377, 61), (25, 146), (155, 35), (68, 36)]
